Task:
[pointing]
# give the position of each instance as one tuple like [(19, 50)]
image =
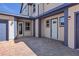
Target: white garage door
[(54, 29), (2, 31)]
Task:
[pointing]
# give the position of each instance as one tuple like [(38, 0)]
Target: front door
[(54, 29), (20, 28)]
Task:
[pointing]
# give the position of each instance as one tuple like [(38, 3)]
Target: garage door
[(2, 31), (54, 29)]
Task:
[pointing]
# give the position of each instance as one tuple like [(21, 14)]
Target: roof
[(20, 16)]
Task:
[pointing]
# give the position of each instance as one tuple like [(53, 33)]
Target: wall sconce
[(69, 17), (11, 23)]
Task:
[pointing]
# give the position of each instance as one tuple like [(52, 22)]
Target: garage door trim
[(6, 22)]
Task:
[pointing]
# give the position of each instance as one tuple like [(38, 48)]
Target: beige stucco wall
[(48, 6), (71, 11), (36, 10), (30, 10), (45, 31), (41, 8), (26, 32), (5, 17)]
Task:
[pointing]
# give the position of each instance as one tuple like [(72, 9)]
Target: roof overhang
[(56, 10), (18, 16)]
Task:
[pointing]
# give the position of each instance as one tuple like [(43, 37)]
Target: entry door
[(20, 28), (77, 31), (54, 29), (2, 32)]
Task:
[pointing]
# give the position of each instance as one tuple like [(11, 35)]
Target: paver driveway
[(48, 47)]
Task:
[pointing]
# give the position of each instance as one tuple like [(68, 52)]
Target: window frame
[(27, 26), (47, 24), (60, 21)]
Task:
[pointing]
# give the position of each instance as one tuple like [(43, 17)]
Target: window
[(33, 8), (27, 26), (61, 20), (54, 22), (47, 23)]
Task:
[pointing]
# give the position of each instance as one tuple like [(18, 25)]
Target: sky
[(11, 8)]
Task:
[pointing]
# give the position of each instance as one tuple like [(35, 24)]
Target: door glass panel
[(20, 28)]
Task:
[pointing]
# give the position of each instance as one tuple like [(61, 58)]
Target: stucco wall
[(36, 10), (30, 10), (48, 6), (45, 31), (41, 8), (5, 17), (71, 11)]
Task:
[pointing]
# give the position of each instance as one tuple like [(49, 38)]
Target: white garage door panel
[(2, 32)]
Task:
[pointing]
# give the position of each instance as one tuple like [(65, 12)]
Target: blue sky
[(11, 8)]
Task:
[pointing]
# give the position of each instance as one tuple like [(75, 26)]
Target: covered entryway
[(3, 30), (54, 29)]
